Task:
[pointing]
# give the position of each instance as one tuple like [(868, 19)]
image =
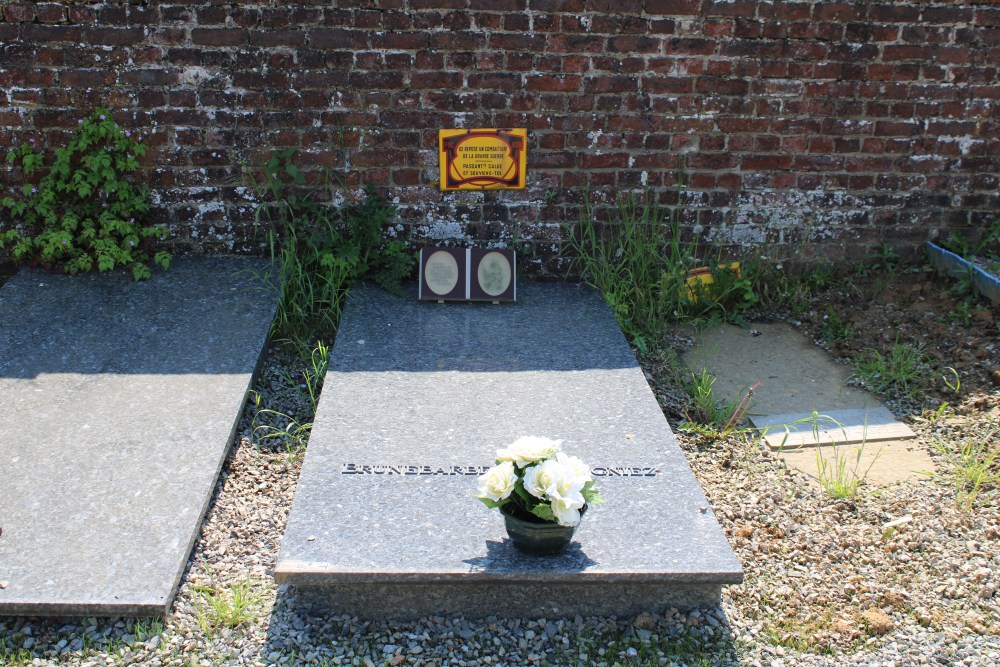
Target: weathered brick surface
[(811, 127)]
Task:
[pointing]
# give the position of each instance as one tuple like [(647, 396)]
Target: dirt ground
[(954, 331), (957, 336), (898, 565)]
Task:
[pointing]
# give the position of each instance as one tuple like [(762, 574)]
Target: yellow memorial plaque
[(483, 159)]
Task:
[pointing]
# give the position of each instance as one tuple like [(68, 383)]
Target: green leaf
[(140, 271), (492, 504), (544, 512), (591, 494)]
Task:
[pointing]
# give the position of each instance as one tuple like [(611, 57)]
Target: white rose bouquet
[(534, 478)]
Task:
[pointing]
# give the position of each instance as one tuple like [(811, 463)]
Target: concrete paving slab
[(800, 378), (797, 375), (842, 427), (886, 462), (118, 402), (418, 398)]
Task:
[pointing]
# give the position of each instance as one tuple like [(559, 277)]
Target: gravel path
[(827, 582)]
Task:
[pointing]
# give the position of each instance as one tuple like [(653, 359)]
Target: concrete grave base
[(799, 378), (418, 398), (795, 374), (478, 599)]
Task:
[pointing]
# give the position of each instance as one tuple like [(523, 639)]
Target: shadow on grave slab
[(200, 317), (403, 335)]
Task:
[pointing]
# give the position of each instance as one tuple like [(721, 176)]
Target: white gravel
[(826, 584)]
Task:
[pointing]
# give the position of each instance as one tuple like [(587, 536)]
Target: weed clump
[(640, 264), (320, 251), (86, 212)]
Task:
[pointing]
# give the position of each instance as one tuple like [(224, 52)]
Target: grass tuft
[(899, 373), (228, 607), (320, 250), (968, 466), (707, 414)]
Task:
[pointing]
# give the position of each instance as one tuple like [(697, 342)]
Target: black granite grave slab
[(419, 397), (118, 402)]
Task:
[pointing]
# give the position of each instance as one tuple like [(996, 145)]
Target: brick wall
[(820, 128)]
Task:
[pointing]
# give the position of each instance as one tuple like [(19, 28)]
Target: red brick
[(446, 80), (718, 86), (564, 83), (334, 38), (408, 41), (563, 43), (273, 38), (672, 7), (633, 44), (50, 12), (611, 84), (499, 5), (19, 12), (745, 8), (497, 80), (690, 46), (86, 78), (218, 37)]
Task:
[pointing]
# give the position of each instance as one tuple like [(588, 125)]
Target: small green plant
[(86, 212), (819, 277), (962, 312), (321, 250), (271, 427), (833, 328), (942, 411), (228, 607), (143, 630), (840, 478), (312, 377), (886, 258), (952, 380), (987, 247), (710, 416), (968, 465), (899, 373)]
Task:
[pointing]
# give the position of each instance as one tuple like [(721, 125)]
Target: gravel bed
[(827, 583)]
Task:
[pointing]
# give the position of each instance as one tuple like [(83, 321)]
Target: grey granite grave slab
[(419, 397), (118, 402)]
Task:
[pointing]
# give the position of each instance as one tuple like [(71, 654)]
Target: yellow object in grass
[(700, 279)]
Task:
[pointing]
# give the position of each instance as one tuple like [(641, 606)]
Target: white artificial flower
[(528, 449), (576, 469), (542, 480), (498, 482), (567, 510)]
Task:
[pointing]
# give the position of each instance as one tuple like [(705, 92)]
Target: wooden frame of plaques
[(468, 274)]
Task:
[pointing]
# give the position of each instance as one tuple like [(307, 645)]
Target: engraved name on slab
[(449, 471)]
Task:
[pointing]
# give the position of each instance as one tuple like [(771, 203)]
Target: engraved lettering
[(410, 470)]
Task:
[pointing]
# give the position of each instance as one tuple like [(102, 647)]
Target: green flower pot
[(536, 537)]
